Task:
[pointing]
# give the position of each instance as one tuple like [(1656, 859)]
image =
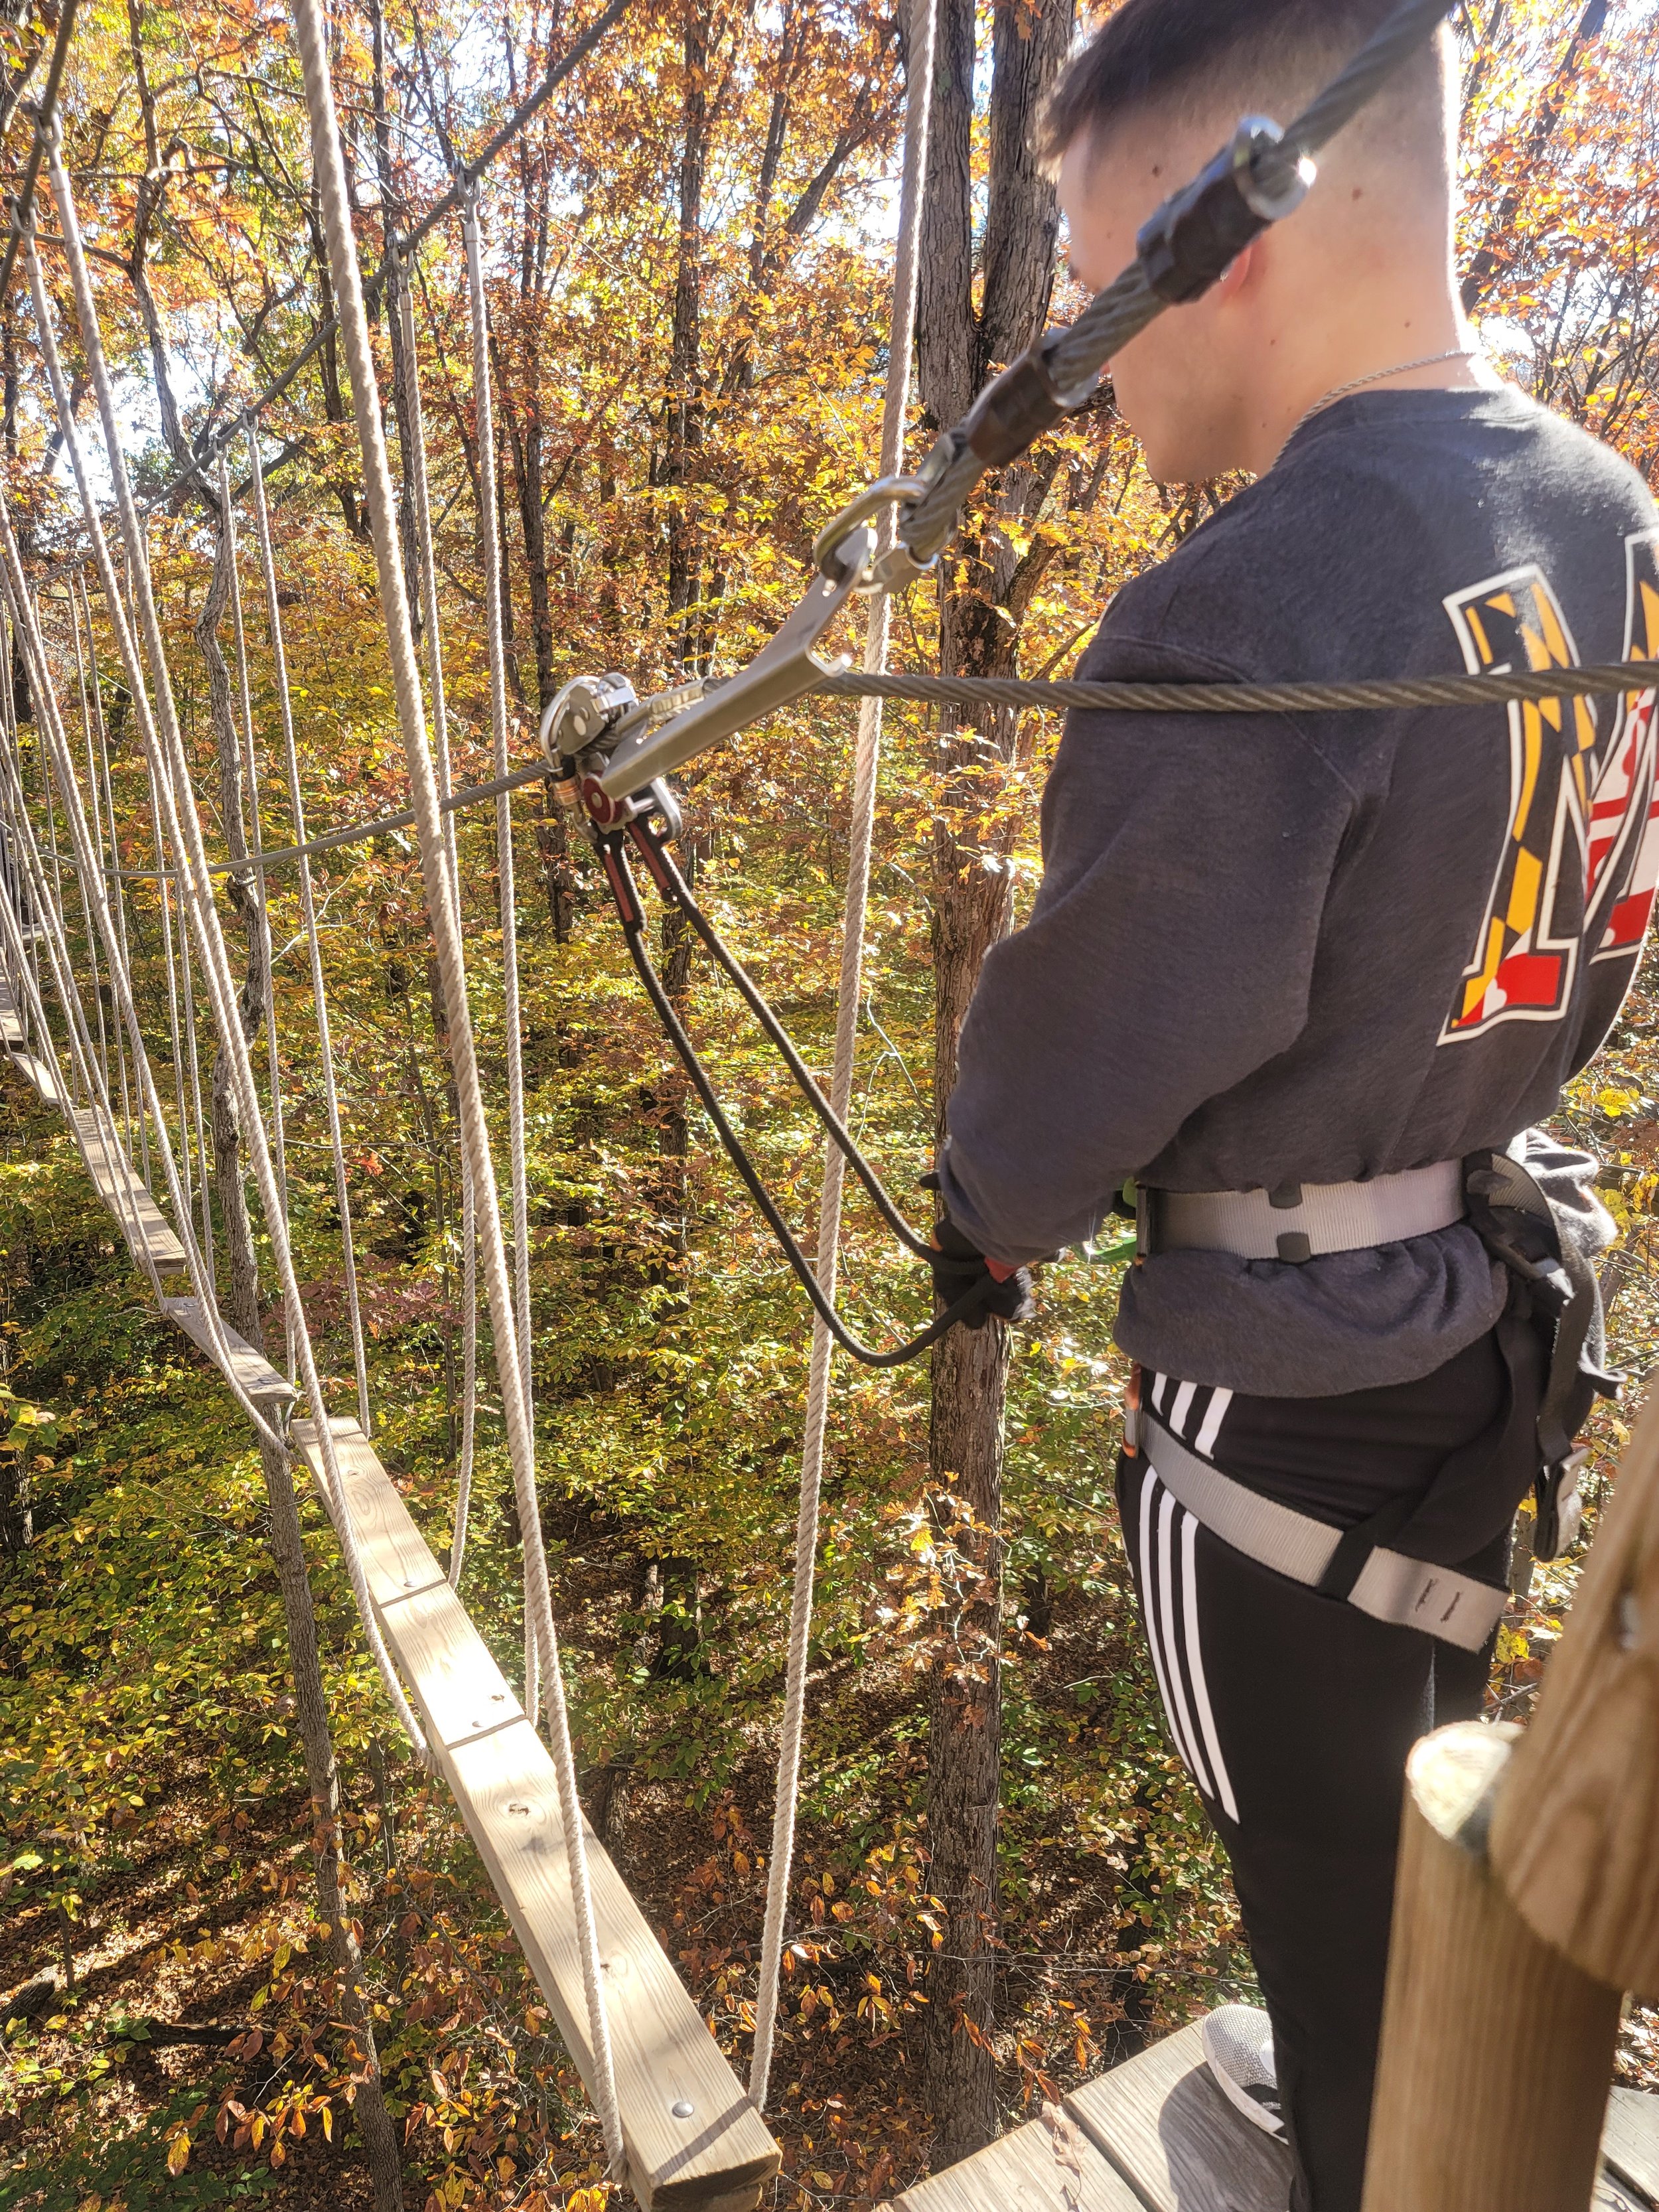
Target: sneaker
[(1239, 2046)]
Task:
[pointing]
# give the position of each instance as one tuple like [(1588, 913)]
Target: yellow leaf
[(178, 2154)]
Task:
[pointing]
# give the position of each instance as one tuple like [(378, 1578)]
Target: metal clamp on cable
[(1189, 244), (1020, 404)]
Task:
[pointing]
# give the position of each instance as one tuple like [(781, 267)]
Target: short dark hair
[(1179, 53)]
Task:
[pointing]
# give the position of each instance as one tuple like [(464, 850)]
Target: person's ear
[(1237, 274)]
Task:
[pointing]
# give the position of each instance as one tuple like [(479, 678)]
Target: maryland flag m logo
[(1581, 856)]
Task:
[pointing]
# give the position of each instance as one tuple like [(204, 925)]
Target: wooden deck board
[(1162, 2135), (37, 1073), (124, 1195), (11, 1019), (1170, 2131), (719, 2155), (1630, 2142), (1036, 2168), (252, 1369)]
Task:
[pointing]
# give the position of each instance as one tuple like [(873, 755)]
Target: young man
[(1316, 965)]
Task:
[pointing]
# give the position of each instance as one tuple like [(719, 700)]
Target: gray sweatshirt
[(1271, 949)]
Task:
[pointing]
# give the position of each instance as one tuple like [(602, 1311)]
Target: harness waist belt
[(1299, 1221), (1411, 1593)]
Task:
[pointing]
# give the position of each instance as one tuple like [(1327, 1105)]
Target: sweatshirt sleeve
[(1168, 954)]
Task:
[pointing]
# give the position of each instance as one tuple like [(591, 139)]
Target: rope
[(336, 209), (359, 833), (256, 832), (1379, 694), (866, 758), (490, 559), (156, 727), (203, 1181), (98, 776), (427, 562), (314, 943)]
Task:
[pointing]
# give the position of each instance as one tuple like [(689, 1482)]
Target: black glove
[(958, 1267)]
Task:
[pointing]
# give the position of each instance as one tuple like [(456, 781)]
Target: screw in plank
[(682, 2108)]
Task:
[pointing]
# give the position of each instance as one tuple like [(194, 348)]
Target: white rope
[(314, 943), (50, 723), (98, 770), (490, 561), (56, 770), (336, 210), (427, 559), (155, 729), (204, 1179), (255, 839), (140, 1115), (866, 760)]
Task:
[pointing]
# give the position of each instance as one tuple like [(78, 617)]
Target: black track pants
[(1294, 1713)]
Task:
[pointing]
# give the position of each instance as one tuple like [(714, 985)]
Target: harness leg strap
[(1387, 1584)]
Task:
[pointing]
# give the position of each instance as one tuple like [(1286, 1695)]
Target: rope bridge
[(677, 2124)]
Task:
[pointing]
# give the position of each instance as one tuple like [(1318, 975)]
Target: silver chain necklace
[(1358, 383)]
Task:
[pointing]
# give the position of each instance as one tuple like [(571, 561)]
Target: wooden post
[(1575, 1836), (1496, 2051)]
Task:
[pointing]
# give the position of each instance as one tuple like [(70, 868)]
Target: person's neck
[(1421, 347)]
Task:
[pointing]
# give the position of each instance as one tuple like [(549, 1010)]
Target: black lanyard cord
[(674, 888), (632, 923)]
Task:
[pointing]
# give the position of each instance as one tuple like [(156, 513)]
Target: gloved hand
[(957, 1266)]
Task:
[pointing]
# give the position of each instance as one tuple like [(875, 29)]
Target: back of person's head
[(1188, 63)]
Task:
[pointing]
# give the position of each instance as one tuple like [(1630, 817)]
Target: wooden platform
[(694, 2139), (141, 1218), (1155, 2134), (36, 1073), (251, 1369)]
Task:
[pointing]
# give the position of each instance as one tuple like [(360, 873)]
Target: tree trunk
[(980, 616), (374, 2123)]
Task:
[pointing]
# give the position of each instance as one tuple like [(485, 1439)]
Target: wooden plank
[(11, 1019), (694, 2139), (37, 1072), (251, 1369), (1630, 2142), (1167, 2130), (124, 1195), (1163, 2123), (1040, 2167)]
